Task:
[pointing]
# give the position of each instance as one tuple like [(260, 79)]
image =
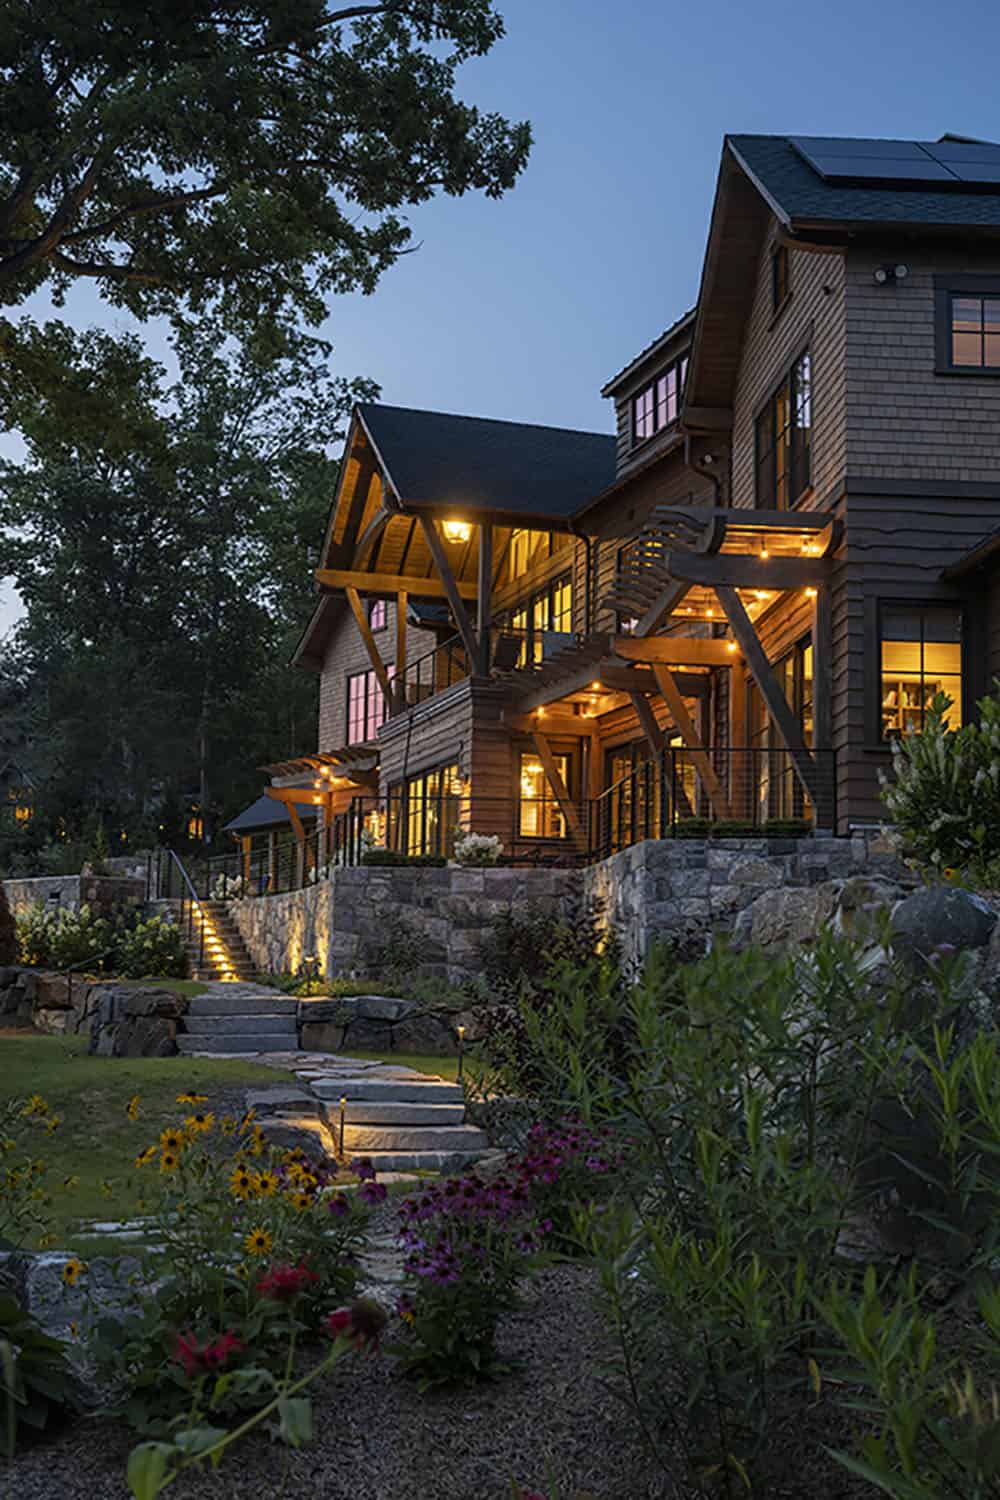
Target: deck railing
[(678, 793)]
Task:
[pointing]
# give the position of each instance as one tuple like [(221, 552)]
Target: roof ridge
[(458, 416)]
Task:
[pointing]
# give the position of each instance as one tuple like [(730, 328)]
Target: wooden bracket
[(559, 790), (365, 631), (451, 588), (699, 757), (655, 737)]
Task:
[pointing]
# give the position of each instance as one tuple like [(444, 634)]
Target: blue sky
[(522, 308)]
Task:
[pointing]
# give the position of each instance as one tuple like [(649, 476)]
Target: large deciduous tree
[(257, 151)]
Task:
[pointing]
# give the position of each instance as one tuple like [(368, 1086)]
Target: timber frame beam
[(744, 570), (452, 589), (559, 791), (389, 583), (699, 757), (613, 675), (675, 651), (368, 640)]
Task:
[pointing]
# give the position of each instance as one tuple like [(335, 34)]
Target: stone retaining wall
[(671, 887), (428, 920), (105, 894), (433, 919), (121, 1019)]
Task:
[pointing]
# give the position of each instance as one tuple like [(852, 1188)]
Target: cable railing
[(432, 673), (679, 793)]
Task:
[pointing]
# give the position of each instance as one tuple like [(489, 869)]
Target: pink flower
[(285, 1283), (340, 1323), (373, 1192), (362, 1167), (207, 1359)]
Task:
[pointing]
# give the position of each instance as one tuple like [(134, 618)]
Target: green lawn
[(96, 1141), (166, 982)]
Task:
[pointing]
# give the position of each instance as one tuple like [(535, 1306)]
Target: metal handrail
[(190, 902)]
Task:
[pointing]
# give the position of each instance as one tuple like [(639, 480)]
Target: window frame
[(374, 606), (889, 602), (375, 709), (945, 289), (781, 279), (526, 608), (768, 408), (650, 389)]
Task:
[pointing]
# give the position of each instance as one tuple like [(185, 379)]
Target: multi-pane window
[(920, 656), (366, 706), (779, 276), (540, 816), (784, 440), (428, 811), (551, 609), (376, 614), (778, 791), (975, 332), (659, 403)]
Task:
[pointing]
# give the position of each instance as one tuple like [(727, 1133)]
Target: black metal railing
[(432, 673), (167, 879), (678, 793), (683, 792)]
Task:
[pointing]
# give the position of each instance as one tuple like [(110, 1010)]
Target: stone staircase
[(403, 1120), (214, 946), (246, 1018)]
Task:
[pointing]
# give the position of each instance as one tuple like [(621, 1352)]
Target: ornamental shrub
[(944, 794), (468, 1243), (787, 1125), (77, 938), (153, 946), (478, 849)]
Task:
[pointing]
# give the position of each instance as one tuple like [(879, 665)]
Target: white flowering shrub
[(228, 887), (944, 795), (478, 849)]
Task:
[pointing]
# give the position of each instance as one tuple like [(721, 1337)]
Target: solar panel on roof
[(941, 164), (962, 151), (844, 146), (884, 169)]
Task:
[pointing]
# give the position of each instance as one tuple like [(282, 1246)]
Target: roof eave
[(650, 354)]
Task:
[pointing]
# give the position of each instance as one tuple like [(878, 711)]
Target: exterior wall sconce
[(886, 275), (456, 531)]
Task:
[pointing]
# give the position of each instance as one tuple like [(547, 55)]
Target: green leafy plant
[(944, 794), (8, 930), (152, 946), (35, 1383)]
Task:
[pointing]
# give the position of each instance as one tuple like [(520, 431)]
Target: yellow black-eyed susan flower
[(247, 1120), (36, 1105), (169, 1162), (145, 1156), (190, 1097), (73, 1270), (52, 1123), (132, 1107), (199, 1123), (242, 1183), (229, 1124), (172, 1140), (300, 1201), (259, 1242), (267, 1184), (258, 1143), (45, 1241)]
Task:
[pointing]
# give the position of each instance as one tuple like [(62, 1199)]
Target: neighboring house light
[(456, 531)]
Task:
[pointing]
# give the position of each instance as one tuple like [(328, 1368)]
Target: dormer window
[(658, 404)]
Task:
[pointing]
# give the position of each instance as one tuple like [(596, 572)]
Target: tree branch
[(112, 272), (151, 206)]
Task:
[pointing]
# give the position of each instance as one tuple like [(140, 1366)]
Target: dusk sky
[(522, 308)]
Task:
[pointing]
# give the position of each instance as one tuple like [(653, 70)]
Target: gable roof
[(512, 469), (649, 353), (801, 197)]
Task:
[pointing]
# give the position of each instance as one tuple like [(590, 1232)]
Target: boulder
[(787, 916), (939, 919)]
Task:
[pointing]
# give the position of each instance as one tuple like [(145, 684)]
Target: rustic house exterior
[(728, 609)]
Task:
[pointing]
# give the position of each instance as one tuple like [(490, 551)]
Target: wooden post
[(647, 722), (378, 665), (822, 694), (700, 758), (246, 844), (402, 604), (770, 690), (559, 790), (272, 859), (485, 603), (435, 547), (740, 777)]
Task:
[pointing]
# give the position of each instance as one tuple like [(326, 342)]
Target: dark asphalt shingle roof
[(802, 194), (478, 464), (266, 812), (661, 338)]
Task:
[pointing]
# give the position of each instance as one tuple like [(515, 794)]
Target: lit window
[(540, 814), (784, 440), (376, 614), (549, 610), (424, 812), (921, 655), (366, 706), (975, 333), (659, 403)]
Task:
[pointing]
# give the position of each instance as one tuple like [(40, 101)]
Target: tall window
[(540, 816), (975, 333), (366, 706), (920, 655), (779, 276), (778, 790), (659, 403), (784, 440), (426, 813), (551, 609), (376, 614)]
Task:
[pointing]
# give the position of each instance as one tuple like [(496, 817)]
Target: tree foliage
[(253, 153), (164, 566)]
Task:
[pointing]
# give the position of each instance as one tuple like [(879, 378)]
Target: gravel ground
[(378, 1439)]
